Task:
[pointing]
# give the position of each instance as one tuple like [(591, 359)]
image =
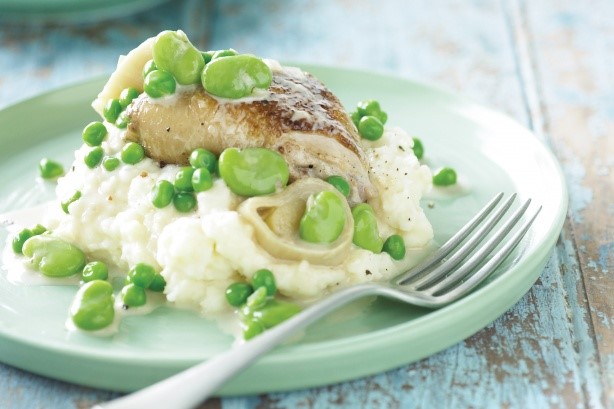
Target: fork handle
[(189, 388)]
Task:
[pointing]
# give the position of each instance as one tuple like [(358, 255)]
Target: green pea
[(142, 275), (395, 246), (237, 293), (127, 96), (159, 83), (94, 133), (372, 108), (122, 120), (110, 163), (173, 52), (265, 278), (202, 158), (92, 309), (132, 153), (355, 117), (201, 180), (96, 270), (183, 179), (253, 171), (224, 53), (149, 67), (274, 312), (366, 234), (370, 128), (133, 296), (444, 177), (251, 328), (324, 218), (368, 107), (19, 239), (418, 148), (111, 110), (50, 169), (158, 284), (340, 184), (38, 229), (53, 257), (162, 194), (207, 56), (256, 299), (93, 157), (184, 202), (236, 77), (76, 196)]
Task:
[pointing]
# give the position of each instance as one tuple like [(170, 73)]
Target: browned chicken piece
[(297, 117)]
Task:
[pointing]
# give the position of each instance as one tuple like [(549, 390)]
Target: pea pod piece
[(324, 218), (53, 257), (235, 77), (173, 52), (366, 234), (92, 307), (274, 312), (251, 328), (253, 171), (76, 196), (255, 300)]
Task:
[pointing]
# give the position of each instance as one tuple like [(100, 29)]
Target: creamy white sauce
[(171, 100), (459, 189)]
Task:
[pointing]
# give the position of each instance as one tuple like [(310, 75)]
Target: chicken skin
[(297, 117)]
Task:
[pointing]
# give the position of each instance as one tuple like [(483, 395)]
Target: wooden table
[(548, 63)]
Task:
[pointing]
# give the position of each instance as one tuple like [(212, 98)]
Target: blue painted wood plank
[(573, 55)]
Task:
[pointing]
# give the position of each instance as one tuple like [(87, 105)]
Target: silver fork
[(432, 284)]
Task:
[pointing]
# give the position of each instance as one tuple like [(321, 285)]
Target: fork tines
[(450, 272)]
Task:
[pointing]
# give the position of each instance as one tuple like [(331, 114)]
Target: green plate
[(77, 11), (491, 152)]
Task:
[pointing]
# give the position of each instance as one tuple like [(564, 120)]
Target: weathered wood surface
[(545, 62)]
